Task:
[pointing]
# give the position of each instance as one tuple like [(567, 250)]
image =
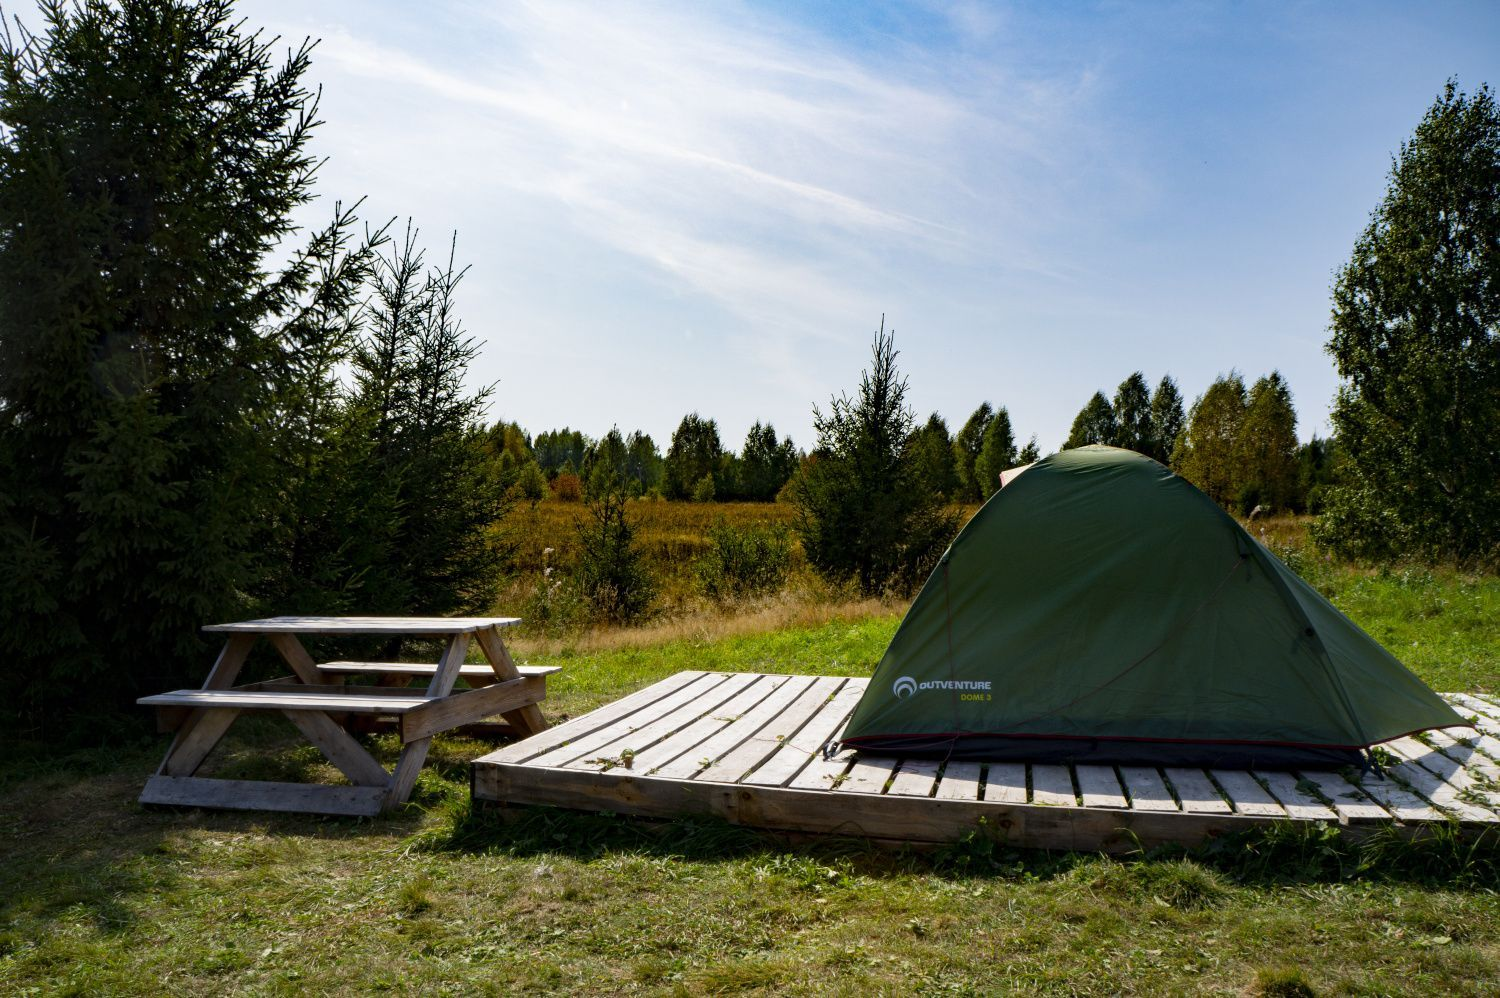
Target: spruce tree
[(151, 158), (1030, 454), (765, 463), (932, 449), (997, 453), (1416, 340), (1132, 408), (864, 510), (1166, 419)]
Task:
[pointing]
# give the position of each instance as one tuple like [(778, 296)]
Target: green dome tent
[(1100, 608)]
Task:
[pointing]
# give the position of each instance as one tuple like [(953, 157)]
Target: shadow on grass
[(78, 845), (1281, 854)]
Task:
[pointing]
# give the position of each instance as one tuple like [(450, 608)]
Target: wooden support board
[(749, 748)]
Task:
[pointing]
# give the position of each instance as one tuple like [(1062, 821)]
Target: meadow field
[(100, 895)]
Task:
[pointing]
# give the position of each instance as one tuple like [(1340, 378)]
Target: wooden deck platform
[(745, 747)]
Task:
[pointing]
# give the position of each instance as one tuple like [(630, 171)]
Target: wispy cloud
[(750, 162)]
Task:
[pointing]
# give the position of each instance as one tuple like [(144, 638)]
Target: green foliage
[(531, 484), (1416, 339), (610, 574), (1094, 424), (1031, 453), (1266, 448), (606, 464), (178, 423), (996, 453), (561, 450), (932, 450), (1207, 450), (1132, 408), (864, 509), (1318, 467), (744, 560), (139, 197), (704, 490), (967, 444), (765, 465), (695, 451), (1166, 419), (643, 463)]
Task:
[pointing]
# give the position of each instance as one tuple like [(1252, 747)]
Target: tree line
[(1238, 445)]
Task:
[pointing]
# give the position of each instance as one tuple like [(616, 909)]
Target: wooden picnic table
[(315, 698)]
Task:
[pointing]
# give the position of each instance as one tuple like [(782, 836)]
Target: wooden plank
[(798, 750), (686, 746), (1467, 754), (1487, 703), (297, 657), (1484, 717), (1300, 804), (469, 706), (868, 775), (960, 781), (419, 670), (662, 715), (446, 674), (1052, 785), (707, 755), (1099, 786), (1148, 792), (824, 773), (338, 748), (1439, 779), (258, 795), (916, 778), (408, 766), (1005, 782), (1196, 792), (362, 625), (528, 718), (1395, 798), (193, 743), (1246, 793), (628, 742), (1352, 804), (226, 668), (876, 816), (335, 699), (585, 724), (782, 727)]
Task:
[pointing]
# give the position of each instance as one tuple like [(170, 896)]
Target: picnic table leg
[(201, 730), (525, 720), (414, 753)]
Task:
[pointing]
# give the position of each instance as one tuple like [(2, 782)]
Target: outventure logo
[(972, 689)]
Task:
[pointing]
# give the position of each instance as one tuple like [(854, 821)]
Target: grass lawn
[(98, 895)]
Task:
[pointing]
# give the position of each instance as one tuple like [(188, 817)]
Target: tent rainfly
[(1101, 609)]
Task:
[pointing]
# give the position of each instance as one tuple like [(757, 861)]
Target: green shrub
[(611, 575), (744, 561), (704, 490)]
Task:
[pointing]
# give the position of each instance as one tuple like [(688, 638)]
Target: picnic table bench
[(315, 699)]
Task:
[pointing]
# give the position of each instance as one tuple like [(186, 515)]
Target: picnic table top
[(363, 625)]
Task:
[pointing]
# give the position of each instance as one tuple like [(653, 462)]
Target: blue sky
[(708, 206)]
